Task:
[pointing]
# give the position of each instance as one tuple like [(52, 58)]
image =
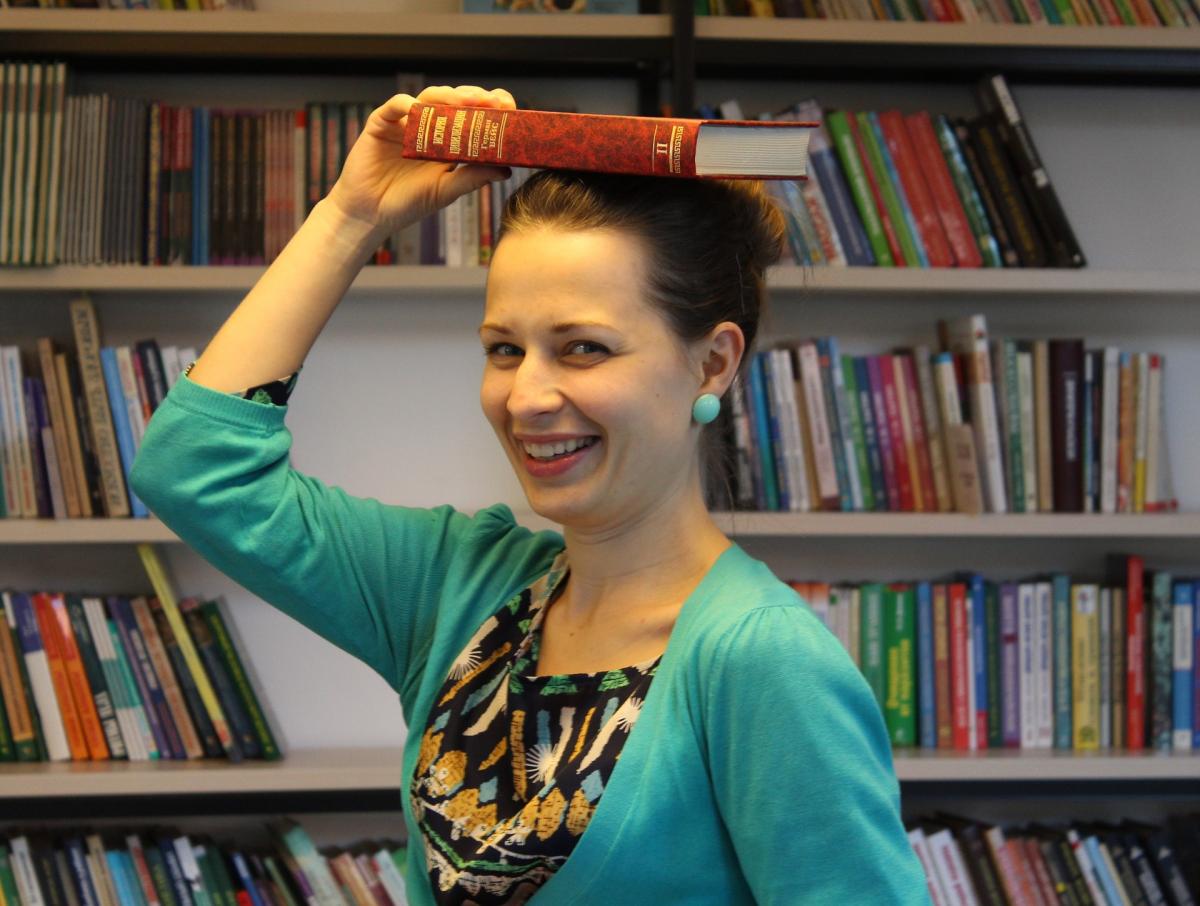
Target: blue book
[(763, 432), (1103, 876), (1196, 666), (154, 702), (875, 381), (179, 884), (121, 880), (894, 175), (774, 423), (120, 417), (824, 167), (1184, 665), (862, 380), (926, 699), (133, 881), (795, 234), (247, 879), (77, 859), (858, 445), (1060, 620)]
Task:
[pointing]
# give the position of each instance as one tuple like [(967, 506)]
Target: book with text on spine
[(639, 145)]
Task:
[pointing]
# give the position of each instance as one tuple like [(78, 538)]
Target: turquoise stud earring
[(706, 407)]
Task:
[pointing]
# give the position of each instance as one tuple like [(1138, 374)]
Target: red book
[(960, 639), (51, 641), (1127, 571), (912, 392), (81, 689), (889, 228), (941, 188), (887, 373), (933, 237), (640, 145)]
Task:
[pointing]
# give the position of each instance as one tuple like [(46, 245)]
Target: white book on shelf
[(93, 612), (784, 381), (14, 377), (21, 620), (952, 870), (1043, 666), (920, 845), (25, 874), (773, 382), (171, 367), (818, 424), (8, 449), (1086, 868), (1027, 429), (132, 399), (968, 337), (1109, 421), (1027, 684)]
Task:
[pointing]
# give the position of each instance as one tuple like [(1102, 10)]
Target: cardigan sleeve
[(801, 767), (368, 577)]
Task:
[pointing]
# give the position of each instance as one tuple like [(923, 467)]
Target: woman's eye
[(500, 349), (587, 347)]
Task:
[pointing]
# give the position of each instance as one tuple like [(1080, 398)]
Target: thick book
[(643, 145)]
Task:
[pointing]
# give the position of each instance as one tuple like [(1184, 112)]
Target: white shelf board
[(379, 768), (417, 280)]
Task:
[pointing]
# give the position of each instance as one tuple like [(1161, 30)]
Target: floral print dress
[(512, 764)]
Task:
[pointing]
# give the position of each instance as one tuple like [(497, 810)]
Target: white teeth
[(547, 451)]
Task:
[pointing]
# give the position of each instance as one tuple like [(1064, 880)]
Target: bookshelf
[(1141, 292)]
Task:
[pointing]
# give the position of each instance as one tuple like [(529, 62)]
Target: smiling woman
[(634, 710)]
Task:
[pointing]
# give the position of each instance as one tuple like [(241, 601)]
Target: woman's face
[(574, 355)]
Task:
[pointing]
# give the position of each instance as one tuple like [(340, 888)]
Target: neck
[(650, 560)]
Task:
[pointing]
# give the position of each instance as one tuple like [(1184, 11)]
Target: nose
[(534, 390)]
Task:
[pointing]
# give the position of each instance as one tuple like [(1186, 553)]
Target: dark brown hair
[(708, 244)]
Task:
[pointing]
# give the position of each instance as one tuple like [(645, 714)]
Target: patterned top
[(512, 764)]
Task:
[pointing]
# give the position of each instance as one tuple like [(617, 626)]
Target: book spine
[(153, 704), (81, 691), (968, 193), (838, 122), (161, 664), (1085, 677)]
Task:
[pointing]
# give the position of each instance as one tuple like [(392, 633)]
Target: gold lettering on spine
[(423, 129), (676, 148), (439, 131), (477, 123), (460, 117)]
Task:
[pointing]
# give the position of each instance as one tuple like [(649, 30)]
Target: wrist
[(357, 237)]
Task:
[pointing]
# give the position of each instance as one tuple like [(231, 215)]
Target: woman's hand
[(378, 185)]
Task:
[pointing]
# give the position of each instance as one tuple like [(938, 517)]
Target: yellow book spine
[(162, 588), (1085, 667)]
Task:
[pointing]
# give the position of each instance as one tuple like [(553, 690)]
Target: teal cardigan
[(759, 770)]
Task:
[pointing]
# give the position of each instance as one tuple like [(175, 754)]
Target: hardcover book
[(640, 145)]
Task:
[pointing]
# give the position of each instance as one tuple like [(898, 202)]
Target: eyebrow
[(562, 327)]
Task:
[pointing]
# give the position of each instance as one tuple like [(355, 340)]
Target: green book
[(101, 695), (856, 179), (1161, 661), (857, 434), (967, 193), (991, 618), (212, 615), (870, 640), (8, 881), (1060, 628), (132, 695), (899, 641), (272, 866), (888, 189), (224, 892), (160, 876), (40, 752)]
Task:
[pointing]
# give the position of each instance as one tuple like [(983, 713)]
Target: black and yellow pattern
[(512, 764)]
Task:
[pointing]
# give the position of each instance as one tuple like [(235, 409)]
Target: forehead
[(544, 276)]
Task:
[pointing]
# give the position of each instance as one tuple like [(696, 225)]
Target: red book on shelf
[(960, 640), (640, 145), (52, 643), (1127, 571), (887, 372), (941, 187), (916, 189)]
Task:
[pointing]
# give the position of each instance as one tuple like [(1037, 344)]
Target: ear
[(720, 353)]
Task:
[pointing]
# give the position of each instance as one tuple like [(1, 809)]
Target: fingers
[(397, 106)]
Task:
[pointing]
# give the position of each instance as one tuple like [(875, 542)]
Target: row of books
[(95, 179), (976, 863), (88, 677), (72, 422), (1052, 662), (153, 865), (984, 424), (890, 189), (1174, 13)]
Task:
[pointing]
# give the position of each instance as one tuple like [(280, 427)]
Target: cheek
[(493, 396)]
